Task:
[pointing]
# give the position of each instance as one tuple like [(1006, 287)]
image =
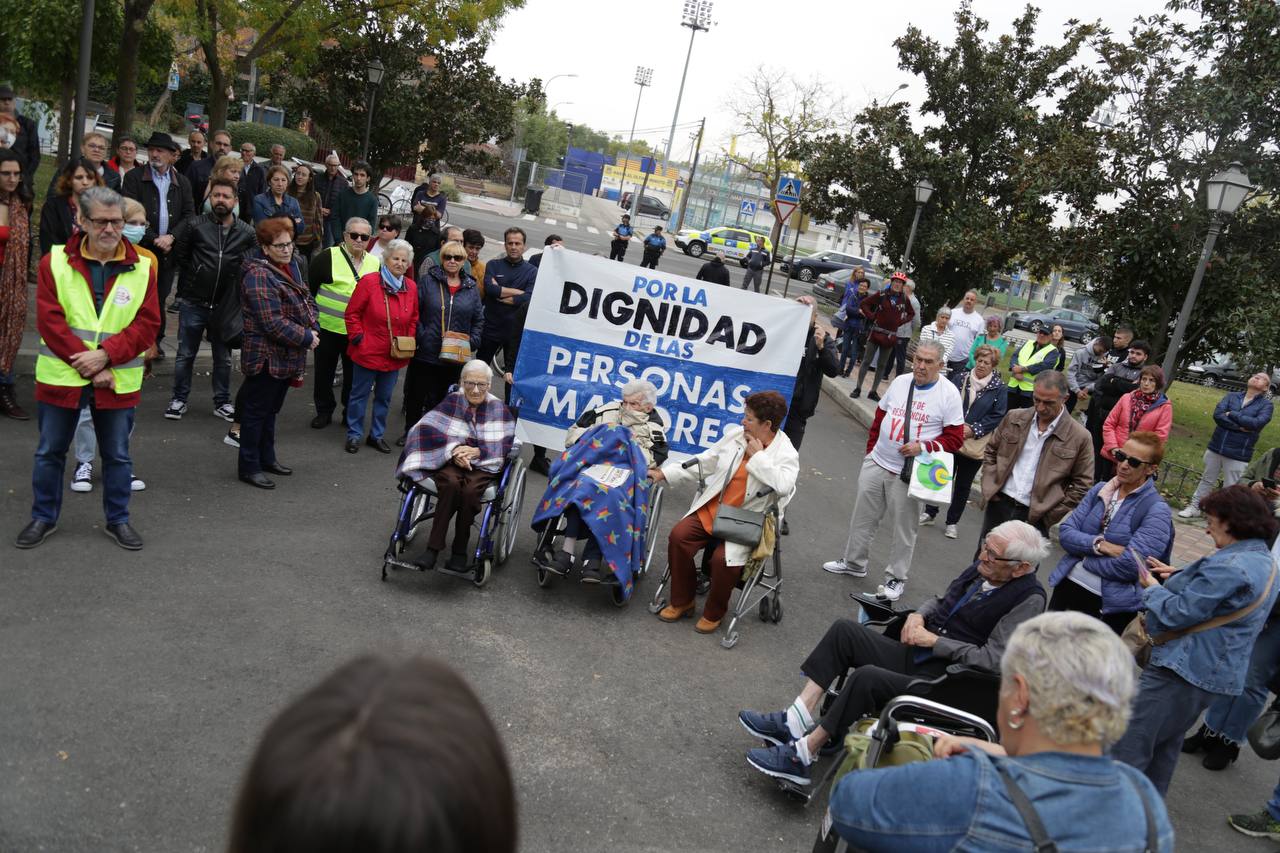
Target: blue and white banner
[(594, 325)]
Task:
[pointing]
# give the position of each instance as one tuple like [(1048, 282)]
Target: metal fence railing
[(562, 191), (1177, 482)]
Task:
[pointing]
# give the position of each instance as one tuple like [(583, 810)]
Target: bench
[(470, 186)]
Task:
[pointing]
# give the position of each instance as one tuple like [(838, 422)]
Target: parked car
[(808, 269), (1075, 326), (648, 206), (1221, 371), (830, 285), (734, 242)]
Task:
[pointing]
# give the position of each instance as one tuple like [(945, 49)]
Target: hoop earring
[(1014, 722)]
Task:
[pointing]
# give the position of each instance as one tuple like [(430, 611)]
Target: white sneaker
[(1189, 511), (137, 485), (227, 412), (951, 532), (926, 519), (232, 438), (176, 410), (840, 567), (891, 589), (83, 480)]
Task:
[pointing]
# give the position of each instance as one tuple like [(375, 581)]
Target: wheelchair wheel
[(764, 610), (510, 516), (416, 512), (544, 577), (619, 600), (483, 571)]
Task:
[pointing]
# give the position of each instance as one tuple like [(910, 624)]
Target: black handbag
[(1264, 734), (227, 318), (735, 524)]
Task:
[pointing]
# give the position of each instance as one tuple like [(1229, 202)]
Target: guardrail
[(1177, 482)]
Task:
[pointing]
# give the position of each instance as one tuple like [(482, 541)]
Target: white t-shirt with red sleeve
[(932, 408)]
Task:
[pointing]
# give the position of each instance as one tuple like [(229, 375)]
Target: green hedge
[(263, 136)]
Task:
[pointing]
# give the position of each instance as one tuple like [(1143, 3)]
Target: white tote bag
[(931, 476)]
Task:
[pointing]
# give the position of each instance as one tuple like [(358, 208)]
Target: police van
[(734, 242)]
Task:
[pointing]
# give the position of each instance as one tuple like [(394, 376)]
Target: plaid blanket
[(599, 474), (454, 422)]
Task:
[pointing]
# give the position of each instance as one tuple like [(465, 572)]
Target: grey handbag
[(735, 524), (1264, 734)]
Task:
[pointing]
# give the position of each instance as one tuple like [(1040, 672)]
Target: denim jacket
[(1227, 580), (960, 803)]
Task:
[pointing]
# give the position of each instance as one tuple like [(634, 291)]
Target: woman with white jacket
[(739, 470)]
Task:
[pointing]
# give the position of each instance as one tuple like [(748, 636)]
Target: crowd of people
[(288, 265)]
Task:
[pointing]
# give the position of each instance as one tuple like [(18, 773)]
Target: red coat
[(124, 346), (1115, 429), (370, 344)]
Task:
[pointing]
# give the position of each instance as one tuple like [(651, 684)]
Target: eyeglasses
[(356, 235), (281, 246), (984, 550), (476, 386), (1123, 458), (95, 146), (107, 223), (388, 228), (453, 257)]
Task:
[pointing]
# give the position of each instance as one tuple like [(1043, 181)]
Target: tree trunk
[(159, 109), (66, 120), (218, 94), (135, 15)]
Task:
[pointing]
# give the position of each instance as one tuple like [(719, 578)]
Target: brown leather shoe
[(706, 626), (671, 613), (9, 406)]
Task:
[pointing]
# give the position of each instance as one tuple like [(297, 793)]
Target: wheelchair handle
[(920, 703)]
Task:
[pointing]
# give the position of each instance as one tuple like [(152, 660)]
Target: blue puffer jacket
[(990, 405), (1239, 425), (851, 301), (1120, 590), (463, 312), (1225, 581)]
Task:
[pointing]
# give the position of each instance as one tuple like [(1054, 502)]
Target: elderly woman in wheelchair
[(750, 468), (969, 624), (634, 414), (461, 446)]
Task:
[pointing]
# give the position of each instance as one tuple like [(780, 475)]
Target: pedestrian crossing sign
[(789, 189)]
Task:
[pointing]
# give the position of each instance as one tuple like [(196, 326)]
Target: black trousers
[(794, 428), (882, 670), (1019, 399), (331, 349), (425, 385), (966, 470), (1002, 508), (650, 259), (617, 250), (1069, 595), (260, 397), (885, 362)]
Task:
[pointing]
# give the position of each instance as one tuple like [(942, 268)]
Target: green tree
[(1189, 98), (1005, 144)]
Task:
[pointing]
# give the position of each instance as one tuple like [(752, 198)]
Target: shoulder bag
[(1039, 836), (973, 448), (1264, 734), (454, 346), (1141, 644), (733, 523), (402, 346)]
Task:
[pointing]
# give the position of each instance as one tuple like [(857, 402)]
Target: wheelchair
[(553, 533), (496, 523), (762, 588)]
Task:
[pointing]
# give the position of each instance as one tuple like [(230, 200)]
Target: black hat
[(1039, 327), (6, 91), (162, 140)]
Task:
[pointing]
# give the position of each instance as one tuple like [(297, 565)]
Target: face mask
[(134, 233)]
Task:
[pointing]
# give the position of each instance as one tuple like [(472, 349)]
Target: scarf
[(13, 281), (430, 444), (390, 282), (974, 386), (1141, 403)]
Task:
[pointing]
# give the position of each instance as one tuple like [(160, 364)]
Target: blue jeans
[(849, 347), (193, 319), (1231, 716), (57, 426), (363, 381), (1165, 707), (1273, 805)]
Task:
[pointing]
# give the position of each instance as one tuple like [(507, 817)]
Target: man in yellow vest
[(1034, 357), (97, 312), (332, 279)]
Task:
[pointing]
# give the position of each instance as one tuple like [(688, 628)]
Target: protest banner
[(595, 324)]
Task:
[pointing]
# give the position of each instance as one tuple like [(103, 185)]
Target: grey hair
[(646, 389), (398, 245), (944, 311), (436, 177), (356, 219), (474, 366), (102, 197), (1079, 676), (1053, 379), (1022, 541), (933, 345)]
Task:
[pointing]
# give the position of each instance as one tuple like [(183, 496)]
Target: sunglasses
[(453, 257), (387, 228), (1123, 458), (356, 235)]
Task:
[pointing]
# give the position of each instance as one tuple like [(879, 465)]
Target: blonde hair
[(227, 163), (132, 208), (1079, 676), (990, 352)]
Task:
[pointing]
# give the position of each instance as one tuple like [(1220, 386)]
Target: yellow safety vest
[(1026, 358), (119, 306), (333, 296)]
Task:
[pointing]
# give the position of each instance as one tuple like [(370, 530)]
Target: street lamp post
[(697, 17), (375, 71), (1224, 192), (644, 77), (924, 189), (902, 87)]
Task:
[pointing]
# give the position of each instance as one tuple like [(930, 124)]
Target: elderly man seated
[(634, 413), (970, 624), (461, 445)]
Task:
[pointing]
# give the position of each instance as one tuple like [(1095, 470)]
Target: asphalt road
[(133, 686)]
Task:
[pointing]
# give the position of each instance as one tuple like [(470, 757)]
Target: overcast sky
[(847, 45)]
